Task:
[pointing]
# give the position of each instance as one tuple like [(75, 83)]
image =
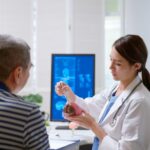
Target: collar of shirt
[(3, 86)]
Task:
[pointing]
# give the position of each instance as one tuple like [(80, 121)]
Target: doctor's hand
[(62, 88), (87, 121)]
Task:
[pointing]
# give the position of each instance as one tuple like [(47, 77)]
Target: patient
[(21, 123)]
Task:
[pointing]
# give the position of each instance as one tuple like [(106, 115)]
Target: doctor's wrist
[(70, 96), (97, 129)]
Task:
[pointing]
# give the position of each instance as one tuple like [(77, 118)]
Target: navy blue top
[(21, 123)]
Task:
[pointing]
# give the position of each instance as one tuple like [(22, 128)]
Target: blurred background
[(72, 26)]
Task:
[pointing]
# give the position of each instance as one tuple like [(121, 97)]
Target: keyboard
[(66, 127)]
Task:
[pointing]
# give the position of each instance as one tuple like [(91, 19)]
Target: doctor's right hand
[(62, 88)]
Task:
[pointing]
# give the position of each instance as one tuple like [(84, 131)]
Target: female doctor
[(119, 116)]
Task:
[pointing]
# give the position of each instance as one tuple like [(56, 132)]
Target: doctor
[(119, 116)]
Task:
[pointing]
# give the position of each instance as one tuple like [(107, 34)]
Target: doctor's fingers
[(83, 121), (87, 118), (81, 118), (61, 84), (59, 89)]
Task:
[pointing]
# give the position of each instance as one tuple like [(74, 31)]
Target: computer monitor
[(76, 70)]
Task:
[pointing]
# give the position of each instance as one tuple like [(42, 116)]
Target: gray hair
[(14, 52)]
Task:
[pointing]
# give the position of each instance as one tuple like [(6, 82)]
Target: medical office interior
[(71, 27)]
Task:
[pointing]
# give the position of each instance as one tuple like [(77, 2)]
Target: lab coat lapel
[(121, 98), (108, 96), (117, 104)]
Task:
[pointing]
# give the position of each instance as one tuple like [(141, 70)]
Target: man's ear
[(137, 66), (18, 71)]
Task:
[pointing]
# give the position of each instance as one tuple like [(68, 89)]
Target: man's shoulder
[(13, 100)]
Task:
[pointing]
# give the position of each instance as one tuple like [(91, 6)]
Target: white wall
[(50, 39), (16, 19), (89, 33), (136, 20)]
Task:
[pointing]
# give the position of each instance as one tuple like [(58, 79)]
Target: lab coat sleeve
[(93, 105), (134, 129)]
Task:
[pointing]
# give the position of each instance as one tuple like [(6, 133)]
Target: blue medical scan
[(76, 70)]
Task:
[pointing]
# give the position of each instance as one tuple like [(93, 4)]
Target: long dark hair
[(134, 50)]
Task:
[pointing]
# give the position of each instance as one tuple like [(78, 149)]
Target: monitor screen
[(76, 70)]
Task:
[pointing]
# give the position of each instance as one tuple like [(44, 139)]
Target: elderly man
[(21, 123)]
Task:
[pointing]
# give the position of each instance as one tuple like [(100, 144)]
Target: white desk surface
[(84, 136), (64, 145)]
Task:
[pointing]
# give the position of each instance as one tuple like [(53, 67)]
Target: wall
[(16, 19), (136, 20)]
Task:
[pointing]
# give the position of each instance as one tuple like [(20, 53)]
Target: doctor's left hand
[(85, 120)]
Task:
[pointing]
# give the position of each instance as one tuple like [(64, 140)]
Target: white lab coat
[(131, 130)]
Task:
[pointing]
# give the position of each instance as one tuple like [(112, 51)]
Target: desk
[(64, 145), (76, 137)]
